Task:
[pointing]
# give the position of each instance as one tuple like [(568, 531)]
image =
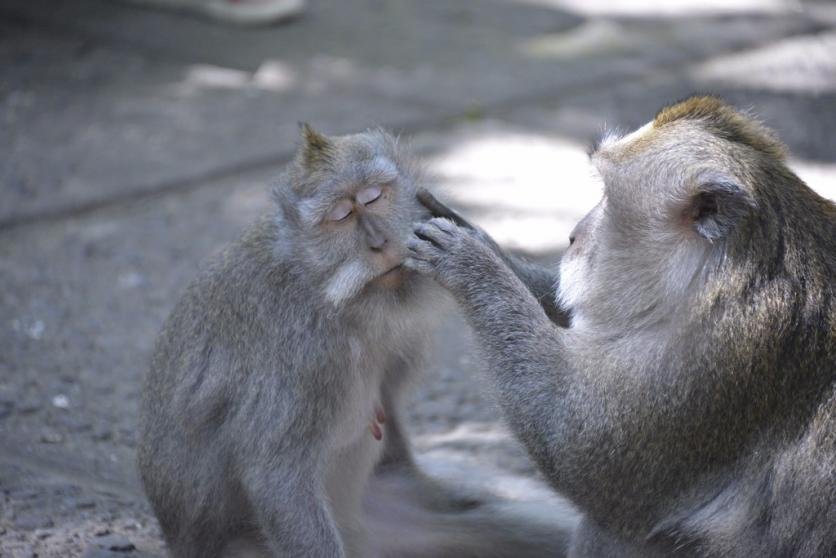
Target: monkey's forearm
[(541, 282), (510, 323), (523, 347), (516, 338)]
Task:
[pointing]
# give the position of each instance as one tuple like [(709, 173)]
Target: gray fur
[(254, 424), (690, 408), (256, 411)]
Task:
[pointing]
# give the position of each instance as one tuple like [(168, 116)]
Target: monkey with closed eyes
[(690, 407), (284, 364), (263, 408)]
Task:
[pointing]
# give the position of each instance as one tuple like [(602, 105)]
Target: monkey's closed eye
[(369, 195), (340, 212)]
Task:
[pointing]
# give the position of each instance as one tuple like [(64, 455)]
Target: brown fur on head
[(701, 187), (724, 122)]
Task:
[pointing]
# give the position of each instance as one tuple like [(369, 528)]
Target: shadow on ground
[(136, 143)]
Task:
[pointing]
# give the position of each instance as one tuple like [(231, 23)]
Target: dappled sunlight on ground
[(797, 64), (666, 8), (527, 190)]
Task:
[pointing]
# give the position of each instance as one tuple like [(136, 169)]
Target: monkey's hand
[(455, 256), (539, 279), (439, 209)]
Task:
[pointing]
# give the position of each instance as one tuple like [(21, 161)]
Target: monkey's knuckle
[(446, 224)]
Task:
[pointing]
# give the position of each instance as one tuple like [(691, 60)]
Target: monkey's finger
[(422, 250), (444, 224), (436, 231), (438, 209), (423, 235), (418, 265)]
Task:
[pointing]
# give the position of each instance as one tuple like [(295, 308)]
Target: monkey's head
[(346, 210), (696, 200)]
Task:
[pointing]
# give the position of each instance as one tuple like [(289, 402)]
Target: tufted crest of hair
[(723, 121)]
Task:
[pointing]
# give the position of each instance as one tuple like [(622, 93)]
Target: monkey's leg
[(291, 510), (396, 449), (192, 524), (196, 544), (397, 463)]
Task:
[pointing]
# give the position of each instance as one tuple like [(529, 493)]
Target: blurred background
[(135, 142)]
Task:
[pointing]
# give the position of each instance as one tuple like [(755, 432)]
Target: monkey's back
[(230, 334)]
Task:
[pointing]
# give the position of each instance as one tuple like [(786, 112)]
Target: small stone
[(114, 542), (85, 504), (61, 401), (51, 438), (6, 408), (36, 330), (104, 531)]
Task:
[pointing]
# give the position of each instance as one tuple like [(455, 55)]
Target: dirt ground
[(135, 143)]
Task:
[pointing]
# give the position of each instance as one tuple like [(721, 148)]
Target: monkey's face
[(356, 205), (672, 196)]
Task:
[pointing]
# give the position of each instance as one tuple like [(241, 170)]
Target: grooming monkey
[(690, 408), (282, 367)]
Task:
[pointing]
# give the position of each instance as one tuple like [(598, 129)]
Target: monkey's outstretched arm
[(523, 346), (539, 280)]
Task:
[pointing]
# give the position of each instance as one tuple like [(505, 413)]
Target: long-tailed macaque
[(690, 407)]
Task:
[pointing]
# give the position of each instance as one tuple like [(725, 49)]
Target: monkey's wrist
[(485, 270)]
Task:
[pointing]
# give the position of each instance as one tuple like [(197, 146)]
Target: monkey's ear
[(316, 148), (716, 207)]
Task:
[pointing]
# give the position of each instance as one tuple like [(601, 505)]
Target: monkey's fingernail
[(377, 432), (380, 415)]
